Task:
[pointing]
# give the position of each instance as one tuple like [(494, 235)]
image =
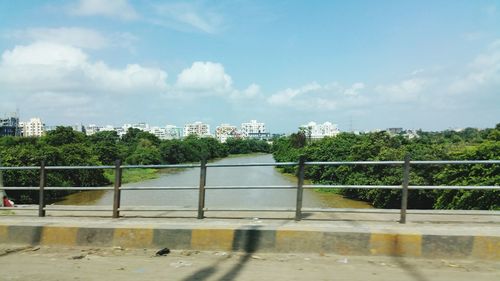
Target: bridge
[(398, 232)]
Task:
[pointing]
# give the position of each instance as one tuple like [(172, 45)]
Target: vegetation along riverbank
[(65, 147), (469, 143)]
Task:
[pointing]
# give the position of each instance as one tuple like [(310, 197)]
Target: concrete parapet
[(261, 238)]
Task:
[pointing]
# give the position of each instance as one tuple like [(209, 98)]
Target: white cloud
[(483, 72), (50, 67), (182, 15), (417, 72), (314, 96), (120, 9), (354, 89), (74, 36), (204, 76), (251, 92), (405, 91)]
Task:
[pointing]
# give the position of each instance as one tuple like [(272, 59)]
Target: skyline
[(429, 65), (278, 131)]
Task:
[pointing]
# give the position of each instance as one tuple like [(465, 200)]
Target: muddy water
[(221, 176)]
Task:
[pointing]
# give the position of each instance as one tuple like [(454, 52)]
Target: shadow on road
[(246, 240), (412, 271)]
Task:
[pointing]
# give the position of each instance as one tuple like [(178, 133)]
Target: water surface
[(220, 176)]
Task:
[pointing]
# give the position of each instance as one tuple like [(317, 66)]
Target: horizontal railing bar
[(352, 210), (325, 210), (158, 188), (460, 187), (456, 162), (336, 163), (78, 188), (409, 211), (3, 168), (78, 167), (321, 186), (157, 208), (253, 164), (271, 187), (250, 210), (446, 187), (160, 166), (454, 212), (250, 187), (19, 187), (325, 163), (86, 208), (21, 208)]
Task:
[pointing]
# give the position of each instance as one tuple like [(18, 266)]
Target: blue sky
[(373, 64)]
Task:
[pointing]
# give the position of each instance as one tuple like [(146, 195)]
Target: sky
[(363, 65)]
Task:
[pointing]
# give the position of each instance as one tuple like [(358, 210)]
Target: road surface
[(47, 263)]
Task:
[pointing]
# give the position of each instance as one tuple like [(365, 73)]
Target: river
[(223, 176)]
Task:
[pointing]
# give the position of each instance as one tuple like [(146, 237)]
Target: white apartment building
[(173, 132), (319, 131), (254, 129), (226, 131), (197, 128), (160, 133), (91, 129), (32, 128)]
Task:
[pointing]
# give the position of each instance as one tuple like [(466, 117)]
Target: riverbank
[(331, 197), (138, 175)]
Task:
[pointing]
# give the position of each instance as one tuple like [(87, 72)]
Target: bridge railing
[(203, 187)]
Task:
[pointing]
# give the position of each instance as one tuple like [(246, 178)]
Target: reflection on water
[(83, 198), (220, 176)]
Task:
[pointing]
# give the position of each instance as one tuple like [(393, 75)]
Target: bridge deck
[(429, 236)]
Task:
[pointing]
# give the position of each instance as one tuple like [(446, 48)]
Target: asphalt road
[(46, 263)]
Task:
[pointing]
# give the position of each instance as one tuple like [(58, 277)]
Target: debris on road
[(257, 257), (79, 257), (344, 261), (163, 252), (181, 264)]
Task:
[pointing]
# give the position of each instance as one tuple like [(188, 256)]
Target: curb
[(254, 239)]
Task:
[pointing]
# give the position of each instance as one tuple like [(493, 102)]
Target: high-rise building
[(159, 132), (92, 129), (33, 128), (226, 131), (254, 130), (197, 128), (9, 126), (173, 132), (319, 131)]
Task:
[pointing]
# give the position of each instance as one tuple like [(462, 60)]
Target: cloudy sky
[(361, 64)]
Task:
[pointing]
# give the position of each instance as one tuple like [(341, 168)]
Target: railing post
[(118, 184), (404, 192), (300, 189), (203, 182), (41, 195)]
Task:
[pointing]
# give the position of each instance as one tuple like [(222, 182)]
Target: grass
[(133, 175)]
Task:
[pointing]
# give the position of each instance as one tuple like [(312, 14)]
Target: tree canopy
[(448, 145)]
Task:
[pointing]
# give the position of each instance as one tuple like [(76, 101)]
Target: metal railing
[(202, 187)]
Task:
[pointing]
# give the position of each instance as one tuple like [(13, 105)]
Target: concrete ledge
[(408, 241)]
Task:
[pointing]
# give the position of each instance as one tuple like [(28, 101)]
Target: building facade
[(226, 131), (255, 130), (9, 126), (33, 128), (197, 128), (319, 131), (173, 132)]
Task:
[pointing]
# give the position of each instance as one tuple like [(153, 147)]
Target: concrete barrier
[(260, 239)]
